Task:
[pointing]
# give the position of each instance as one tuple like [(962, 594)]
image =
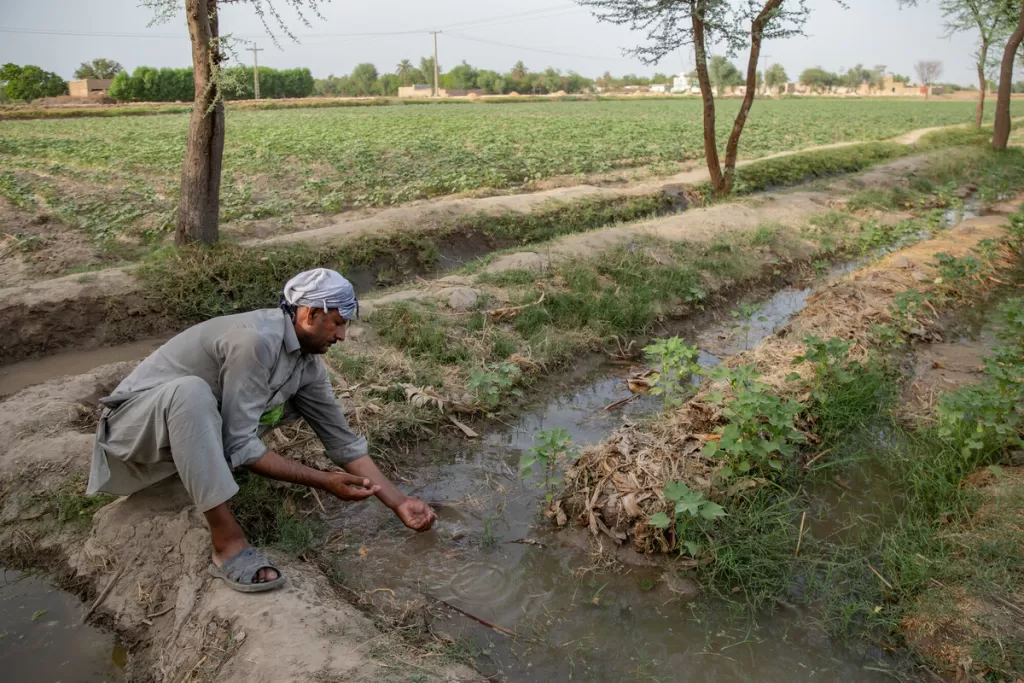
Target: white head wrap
[(322, 288)]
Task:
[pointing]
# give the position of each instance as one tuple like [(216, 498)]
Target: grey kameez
[(194, 407)]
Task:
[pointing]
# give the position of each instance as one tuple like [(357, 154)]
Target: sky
[(60, 34)]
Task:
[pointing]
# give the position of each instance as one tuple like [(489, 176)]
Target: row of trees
[(147, 84), (365, 80), (30, 82)]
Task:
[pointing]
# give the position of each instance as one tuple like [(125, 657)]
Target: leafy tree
[(736, 24), (490, 82), (519, 70), (199, 200), (404, 68), (818, 79), (992, 21), (98, 68), (659, 77), (723, 73), (387, 85), (427, 69), (461, 77), (364, 78), (775, 76), (30, 82)]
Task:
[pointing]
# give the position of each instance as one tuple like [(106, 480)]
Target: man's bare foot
[(228, 540)]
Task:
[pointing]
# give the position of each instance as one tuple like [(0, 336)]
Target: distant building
[(660, 87), (428, 91), (90, 86), (419, 90)]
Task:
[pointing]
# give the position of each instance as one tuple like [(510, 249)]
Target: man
[(196, 405)]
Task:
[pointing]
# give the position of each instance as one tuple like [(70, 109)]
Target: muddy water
[(42, 638), (17, 376), (494, 556)]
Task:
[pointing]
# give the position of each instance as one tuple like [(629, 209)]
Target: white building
[(661, 87)]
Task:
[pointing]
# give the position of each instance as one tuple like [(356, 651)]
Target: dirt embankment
[(181, 624)]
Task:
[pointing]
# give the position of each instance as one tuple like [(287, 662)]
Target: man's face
[(317, 330)]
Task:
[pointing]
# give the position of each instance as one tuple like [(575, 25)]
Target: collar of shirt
[(291, 341)]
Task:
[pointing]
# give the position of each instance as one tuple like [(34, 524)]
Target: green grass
[(269, 516), (69, 504), (194, 284)]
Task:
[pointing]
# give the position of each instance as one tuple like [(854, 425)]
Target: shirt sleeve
[(316, 403), (245, 386)]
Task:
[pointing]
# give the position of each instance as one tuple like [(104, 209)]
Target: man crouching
[(195, 407)]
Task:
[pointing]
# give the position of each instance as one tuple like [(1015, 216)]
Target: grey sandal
[(239, 571)]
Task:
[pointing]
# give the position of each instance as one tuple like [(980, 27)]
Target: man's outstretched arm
[(413, 512), (344, 486)]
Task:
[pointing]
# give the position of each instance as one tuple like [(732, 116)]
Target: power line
[(528, 49), (475, 23)]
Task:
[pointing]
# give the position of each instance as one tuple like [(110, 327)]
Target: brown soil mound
[(616, 485)]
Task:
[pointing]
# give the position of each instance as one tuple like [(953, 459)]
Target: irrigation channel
[(560, 610), (42, 637)]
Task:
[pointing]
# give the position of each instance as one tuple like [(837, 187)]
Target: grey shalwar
[(194, 407)]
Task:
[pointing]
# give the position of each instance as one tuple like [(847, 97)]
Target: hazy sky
[(486, 33)]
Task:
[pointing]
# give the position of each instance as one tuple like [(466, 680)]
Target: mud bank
[(179, 623)]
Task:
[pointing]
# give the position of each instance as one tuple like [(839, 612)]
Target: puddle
[(17, 376), (42, 637)]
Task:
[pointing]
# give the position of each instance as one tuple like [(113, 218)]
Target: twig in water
[(800, 538), (621, 402), (477, 619), (103, 595)]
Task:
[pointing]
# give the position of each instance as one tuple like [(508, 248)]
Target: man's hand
[(415, 514), (349, 486)]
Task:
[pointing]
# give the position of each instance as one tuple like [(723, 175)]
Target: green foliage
[(493, 383), (987, 417), (98, 68), (723, 73), (551, 444), (362, 154), (688, 507), (745, 317), (759, 433), (775, 76), (674, 362), (419, 331), (30, 82), (268, 514), (845, 394), (819, 80), (69, 504), (957, 273)]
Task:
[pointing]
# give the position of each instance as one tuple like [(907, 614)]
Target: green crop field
[(115, 173)]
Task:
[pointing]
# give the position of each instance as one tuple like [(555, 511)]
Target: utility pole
[(256, 70), (764, 72), (435, 62)]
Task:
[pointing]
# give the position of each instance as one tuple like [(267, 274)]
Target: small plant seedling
[(493, 382), (550, 446), (675, 361), (39, 615), (745, 315), (688, 507)]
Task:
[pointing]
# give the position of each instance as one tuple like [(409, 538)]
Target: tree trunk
[(982, 58), (199, 203), (1001, 134), (732, 147), (710, 143)]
